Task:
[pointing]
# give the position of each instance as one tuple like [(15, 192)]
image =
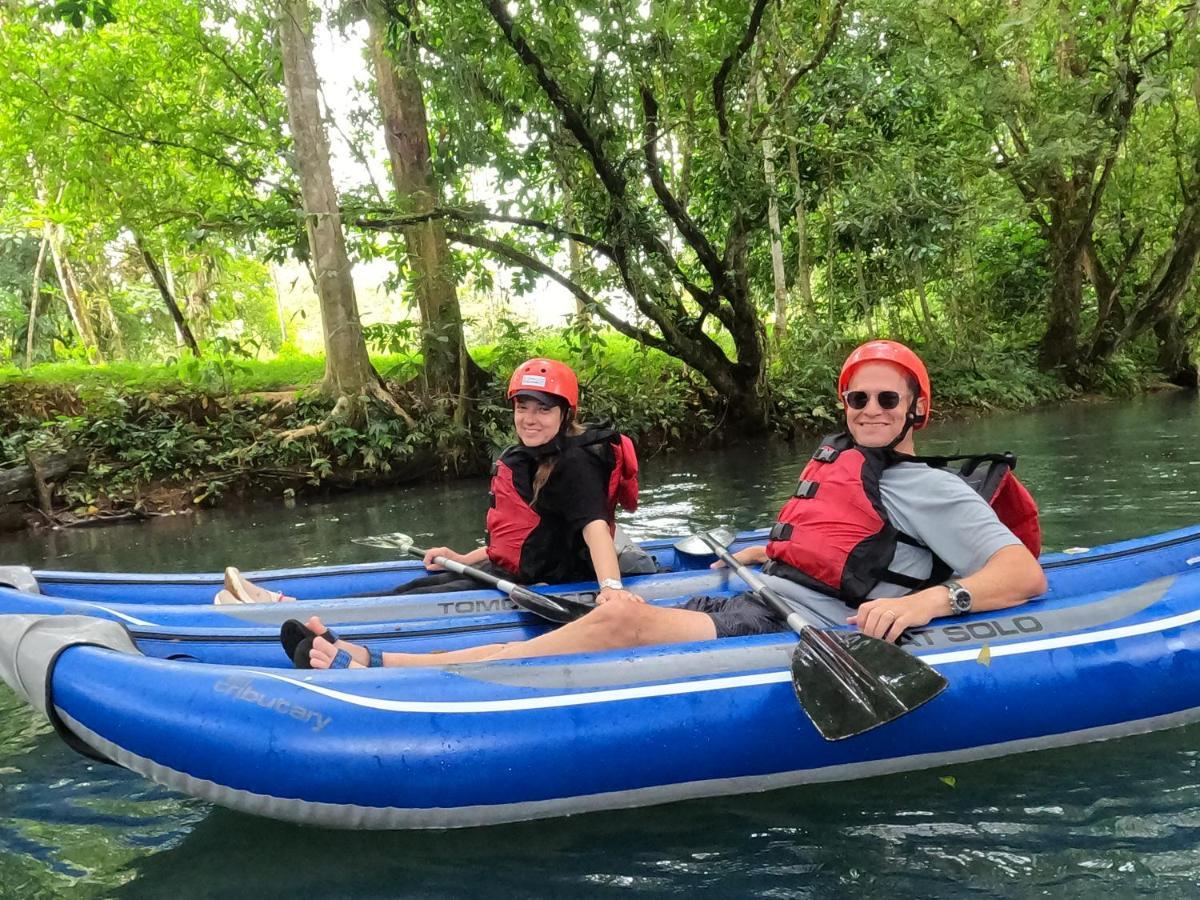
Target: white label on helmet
[(533, 381)]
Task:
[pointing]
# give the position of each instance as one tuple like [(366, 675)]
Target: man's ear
[(920, 408)]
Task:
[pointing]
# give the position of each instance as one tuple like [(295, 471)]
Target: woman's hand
[(440, 551), (607, 594)]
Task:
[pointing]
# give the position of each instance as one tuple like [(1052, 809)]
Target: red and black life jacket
[(834, 536), (511, 518)]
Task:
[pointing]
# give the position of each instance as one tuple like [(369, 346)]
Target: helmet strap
[(910, 419)]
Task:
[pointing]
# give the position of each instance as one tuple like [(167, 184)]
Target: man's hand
[(887, 617), (749, 556)]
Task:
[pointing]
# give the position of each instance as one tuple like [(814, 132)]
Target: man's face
[(874, 426)]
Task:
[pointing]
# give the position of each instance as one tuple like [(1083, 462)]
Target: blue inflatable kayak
[(1115, 653), (317, 582), (452, 620)]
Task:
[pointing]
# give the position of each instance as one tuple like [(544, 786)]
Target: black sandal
[(297, 638)]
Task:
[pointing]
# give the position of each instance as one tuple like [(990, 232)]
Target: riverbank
[(111, 443)]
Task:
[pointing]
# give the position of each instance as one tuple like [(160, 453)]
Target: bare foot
[(321, 655), (248, 592)]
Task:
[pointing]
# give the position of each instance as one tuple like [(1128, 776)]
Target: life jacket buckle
[(806, 490), (780, 531), (826, 453)]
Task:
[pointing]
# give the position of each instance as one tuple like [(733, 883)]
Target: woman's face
[(536, 423)]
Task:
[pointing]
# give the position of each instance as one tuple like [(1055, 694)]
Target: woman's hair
[(547, 463)]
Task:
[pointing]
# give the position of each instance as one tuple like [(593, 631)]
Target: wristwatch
[(960, 599), (613, 584)]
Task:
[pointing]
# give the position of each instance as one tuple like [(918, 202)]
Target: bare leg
[(322, 653), (616, 624)]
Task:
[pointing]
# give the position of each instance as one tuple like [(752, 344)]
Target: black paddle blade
[(849, 683), (551, 607)]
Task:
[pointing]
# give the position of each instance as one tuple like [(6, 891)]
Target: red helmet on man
[(898, 355), (545, 380)]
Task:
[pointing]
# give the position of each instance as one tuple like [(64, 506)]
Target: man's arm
[(748, 556), (1010, 577)]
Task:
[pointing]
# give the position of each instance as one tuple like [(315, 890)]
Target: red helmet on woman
[(897, 354), (545, 379)]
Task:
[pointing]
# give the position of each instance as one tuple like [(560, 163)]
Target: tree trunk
[(778, 276), (574, 251), (73, 296), (19, 482), (1171, 279), (830, 254), (280, 313), (348, 369), (864, 298), (112, 328), (197, 307), (164, 289), (803, 261), (918, 274), (1175, 353), (406, 134), (35, 296), (1059, 347)]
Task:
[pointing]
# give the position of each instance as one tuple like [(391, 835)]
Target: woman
[(554, 498)]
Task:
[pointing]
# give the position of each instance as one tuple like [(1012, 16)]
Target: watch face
[(960, 599)]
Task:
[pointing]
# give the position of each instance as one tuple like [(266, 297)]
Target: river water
[(1116, 819)]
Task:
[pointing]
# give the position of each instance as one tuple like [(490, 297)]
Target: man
[(870, 496)]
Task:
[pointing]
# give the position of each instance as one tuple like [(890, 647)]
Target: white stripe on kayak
[(1070, 640), (549, 702), (712, 684), (133, 620)]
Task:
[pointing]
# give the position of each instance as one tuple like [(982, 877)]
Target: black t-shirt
[(575, 494)]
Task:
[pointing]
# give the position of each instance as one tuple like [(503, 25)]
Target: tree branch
[(613, 181), (696, 239), (394, 222), (722, 76), (831, 35), (219, 159), (520, 258)]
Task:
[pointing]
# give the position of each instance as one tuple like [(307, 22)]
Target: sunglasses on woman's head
[(860, 399)]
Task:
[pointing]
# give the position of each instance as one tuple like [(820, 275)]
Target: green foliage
[(933, 151)]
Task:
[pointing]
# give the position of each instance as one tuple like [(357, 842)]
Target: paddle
[(846, 682), (548, 606)]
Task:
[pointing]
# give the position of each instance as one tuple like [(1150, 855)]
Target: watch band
[(612, 584), (959, 598)]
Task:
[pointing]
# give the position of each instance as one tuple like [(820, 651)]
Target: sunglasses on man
[(860, 399)]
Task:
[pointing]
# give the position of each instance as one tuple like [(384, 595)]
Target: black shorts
[(739, 616), (445, 582)]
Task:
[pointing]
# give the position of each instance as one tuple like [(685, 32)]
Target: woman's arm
[(476, 556), (604, 560)]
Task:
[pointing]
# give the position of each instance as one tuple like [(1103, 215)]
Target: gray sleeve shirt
[(942, 511), (937, 508)]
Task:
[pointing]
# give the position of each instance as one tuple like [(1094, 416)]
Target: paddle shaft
[(527, 599), (795, 619)]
